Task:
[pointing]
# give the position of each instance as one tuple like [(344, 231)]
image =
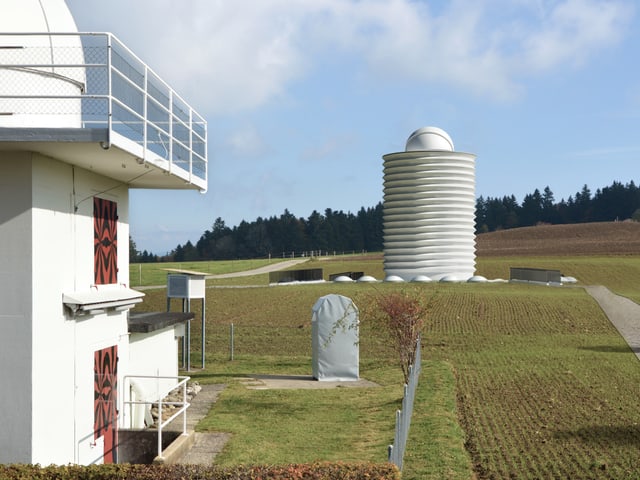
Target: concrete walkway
[(201, 448), (623, 313)]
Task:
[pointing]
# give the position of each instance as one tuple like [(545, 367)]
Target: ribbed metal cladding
[(429, 214)]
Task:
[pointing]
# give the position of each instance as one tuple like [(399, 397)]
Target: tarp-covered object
[(334, 331)]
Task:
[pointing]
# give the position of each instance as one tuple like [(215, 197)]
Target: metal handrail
[(184, 405), (125, 89)]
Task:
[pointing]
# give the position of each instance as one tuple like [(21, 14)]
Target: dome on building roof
[(429, 138), (36, 16)]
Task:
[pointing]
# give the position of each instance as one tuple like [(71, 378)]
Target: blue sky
[(303, 98)]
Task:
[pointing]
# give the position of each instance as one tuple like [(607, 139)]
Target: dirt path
[(623, 313), (257, 271)]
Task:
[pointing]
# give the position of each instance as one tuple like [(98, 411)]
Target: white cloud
[(233, 56), (572, 30), (247, 142), (328, 148)]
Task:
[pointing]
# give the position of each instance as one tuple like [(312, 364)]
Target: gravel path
[(623, 313)]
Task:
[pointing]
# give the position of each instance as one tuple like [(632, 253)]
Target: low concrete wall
[(535, 275), (141, 446), (284, 276)]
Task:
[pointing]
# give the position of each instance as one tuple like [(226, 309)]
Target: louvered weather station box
[(187, 285)]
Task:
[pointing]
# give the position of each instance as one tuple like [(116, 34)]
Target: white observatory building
[(82, 121), (429, 210)]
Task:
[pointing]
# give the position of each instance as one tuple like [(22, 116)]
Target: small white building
[(82, 120)]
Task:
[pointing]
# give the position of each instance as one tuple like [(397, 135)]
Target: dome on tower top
[(429, 138), (36, 16), (49, 90)]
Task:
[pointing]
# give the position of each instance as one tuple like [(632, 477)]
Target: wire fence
[(403, 417)]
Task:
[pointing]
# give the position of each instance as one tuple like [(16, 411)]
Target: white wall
[(145, 359), (47, 357), (53, 356), (15, 307), (46, 354), (63, 346)]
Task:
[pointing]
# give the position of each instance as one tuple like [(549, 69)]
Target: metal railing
[(96, 79), (403, 416), (182, 410)]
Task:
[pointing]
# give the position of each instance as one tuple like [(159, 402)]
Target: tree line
[(615, 202), (339, 232)]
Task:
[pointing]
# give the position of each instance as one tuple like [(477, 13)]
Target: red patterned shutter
[(105, 412), (105, 241)]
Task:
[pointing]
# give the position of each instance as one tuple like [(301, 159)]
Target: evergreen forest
[(337, 232)]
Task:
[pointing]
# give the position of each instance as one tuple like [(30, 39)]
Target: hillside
[(605, 238)]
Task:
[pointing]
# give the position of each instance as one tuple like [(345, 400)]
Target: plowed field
[(546, 386), (606, 238)]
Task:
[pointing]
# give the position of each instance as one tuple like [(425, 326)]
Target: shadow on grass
[(613, 434), (612, 349)]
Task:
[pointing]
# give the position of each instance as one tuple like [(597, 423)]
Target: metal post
[(397, 441), (109, 91), (184, 402), (188, 336), (203, 331), (188, 345), (171, 120), (159, 420), (231, 343), (184, 355), (145, 115)]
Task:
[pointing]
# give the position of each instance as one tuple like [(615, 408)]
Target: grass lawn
[(145, 274), (518, 381)]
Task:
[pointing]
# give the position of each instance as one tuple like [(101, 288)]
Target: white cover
[(334, 331)]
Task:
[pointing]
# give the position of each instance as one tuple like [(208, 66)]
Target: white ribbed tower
[(429, 209)]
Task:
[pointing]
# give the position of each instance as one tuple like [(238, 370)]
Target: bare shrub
[(402, 314)]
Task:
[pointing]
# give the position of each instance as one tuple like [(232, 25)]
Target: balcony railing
[(93, 81)]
